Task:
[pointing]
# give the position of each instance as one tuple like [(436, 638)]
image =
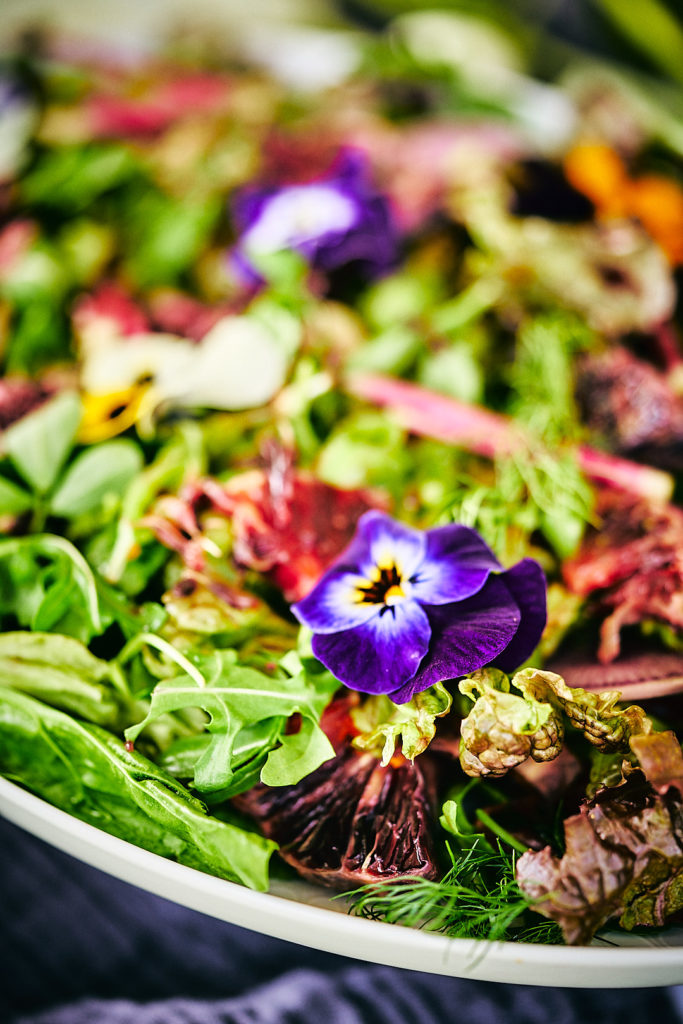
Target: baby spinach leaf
[(62, 672), (39, 443), (94, 474), (236, 697), (88, 772)]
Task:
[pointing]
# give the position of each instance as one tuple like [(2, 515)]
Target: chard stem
[(491, 434)]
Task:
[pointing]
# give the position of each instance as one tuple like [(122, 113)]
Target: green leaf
[(47, 585), (39, 443), (62, 672), (13, 499), (365, 450), (96, 473), (238, 697), (298, 755), (88, 772), (384, 724), (72, 177)]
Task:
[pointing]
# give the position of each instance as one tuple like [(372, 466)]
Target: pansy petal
[(333, 603), (381, 655), (382, 541), (527, 584), (465, 636), (456, 565)]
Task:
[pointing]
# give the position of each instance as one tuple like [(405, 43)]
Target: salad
[(341, 452)]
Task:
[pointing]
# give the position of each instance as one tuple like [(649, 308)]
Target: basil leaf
[(88, 772), (94, 474), (39, 443)]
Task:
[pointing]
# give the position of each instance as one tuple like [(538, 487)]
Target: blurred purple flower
[(403, 609), (331, 222)]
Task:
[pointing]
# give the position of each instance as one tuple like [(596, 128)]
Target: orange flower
[(658, 204), (598, 172)]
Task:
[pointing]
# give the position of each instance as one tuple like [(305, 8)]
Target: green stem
[(134, 645), (500, 832)]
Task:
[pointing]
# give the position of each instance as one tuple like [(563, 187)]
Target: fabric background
[(78, 947)]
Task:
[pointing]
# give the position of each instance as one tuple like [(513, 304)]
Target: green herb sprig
[(478, 898)]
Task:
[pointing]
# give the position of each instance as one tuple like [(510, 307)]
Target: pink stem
[(490, 434)]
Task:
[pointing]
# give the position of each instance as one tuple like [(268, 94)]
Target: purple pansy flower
[(402, 609), (332, 221)]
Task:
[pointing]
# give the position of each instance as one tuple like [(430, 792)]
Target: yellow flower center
[(385, 587)]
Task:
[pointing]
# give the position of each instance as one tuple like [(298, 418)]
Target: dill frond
[(478, 898)]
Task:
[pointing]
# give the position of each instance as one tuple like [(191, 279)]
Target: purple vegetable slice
[(352, 821)]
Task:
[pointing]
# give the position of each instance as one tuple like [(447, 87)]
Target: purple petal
[(527, 584), (381, 655), (465, 636), (333, 603), (456, 565), (382, 541)]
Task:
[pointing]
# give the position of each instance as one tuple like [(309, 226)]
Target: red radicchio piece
[(632, 405), (18, 397), (112, 305), (289, 524), (635, 561)]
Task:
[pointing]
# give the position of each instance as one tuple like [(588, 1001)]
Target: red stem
[(490, 434)]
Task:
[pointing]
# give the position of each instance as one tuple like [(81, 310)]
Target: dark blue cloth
[(78, 947)]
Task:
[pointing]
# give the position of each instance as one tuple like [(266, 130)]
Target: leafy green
[(13, 499), (88, 772), (39, 443), (47, 585), (598, 715), (383, 724), (505, 727), (365, 450), (95, 474), (62, 672), (70, 178), (235, 697)]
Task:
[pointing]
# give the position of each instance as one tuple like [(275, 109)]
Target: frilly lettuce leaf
[(597, 715), (503, 728), (383, 724), (623, 854)]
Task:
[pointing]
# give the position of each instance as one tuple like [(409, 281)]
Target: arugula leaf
[(60, 596), (63, 673), (236, 697), (249, 755), (39, 443), (88, 772), (94, 474)]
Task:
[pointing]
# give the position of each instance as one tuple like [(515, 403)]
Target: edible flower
[(402, 609), (654, 200), (331, 221)]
